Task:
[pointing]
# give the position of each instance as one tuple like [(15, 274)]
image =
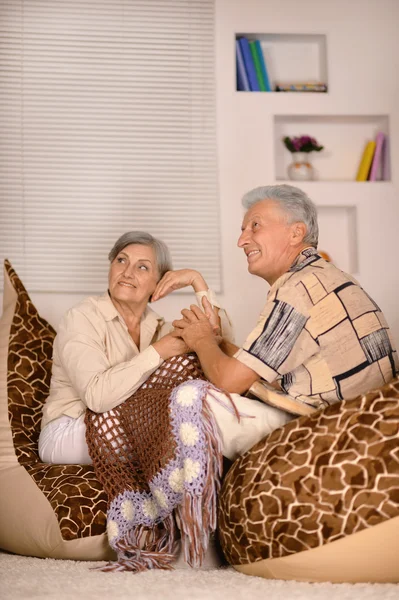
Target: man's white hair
[(294, 202)]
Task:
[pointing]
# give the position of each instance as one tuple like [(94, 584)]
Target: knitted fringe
[(198, 514), (145, 548), (233, 409)]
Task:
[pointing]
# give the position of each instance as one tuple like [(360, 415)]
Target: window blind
[(107, 124)]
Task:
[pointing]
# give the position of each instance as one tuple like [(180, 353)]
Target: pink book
[(376, 164), (386, 162)]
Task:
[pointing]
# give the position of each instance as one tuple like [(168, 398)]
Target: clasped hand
[(196, 326)]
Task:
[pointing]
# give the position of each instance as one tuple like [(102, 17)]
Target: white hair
[(294, 202), (162, 254)]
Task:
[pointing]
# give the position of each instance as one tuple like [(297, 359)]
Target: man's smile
[(252, 253)]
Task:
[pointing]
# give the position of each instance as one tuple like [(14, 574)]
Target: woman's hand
[(213, 315), (171, 345), (195, 327), (175, 280)]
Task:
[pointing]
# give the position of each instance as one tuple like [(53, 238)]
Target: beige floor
[(31, 578)]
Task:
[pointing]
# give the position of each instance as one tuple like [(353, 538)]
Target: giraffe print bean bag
[(318, 499), (55, 511), (58, 511)]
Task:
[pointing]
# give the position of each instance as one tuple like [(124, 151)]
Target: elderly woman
[(107, 346)]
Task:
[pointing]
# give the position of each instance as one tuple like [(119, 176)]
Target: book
[(301, 87), (242, 79), (375, 170), (365, 162), (255, 58), (249, 65), (386, 163), (263, 68), (270, 395)]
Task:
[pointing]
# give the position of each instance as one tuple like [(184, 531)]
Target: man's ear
[(298, 232)]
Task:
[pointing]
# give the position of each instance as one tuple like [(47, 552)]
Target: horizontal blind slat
[(107, 114)]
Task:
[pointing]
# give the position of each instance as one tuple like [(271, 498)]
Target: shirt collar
[(305, 254), (150, 318)]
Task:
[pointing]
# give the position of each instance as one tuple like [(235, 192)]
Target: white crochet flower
[(161, 498), (191, 469), (127, 508), (112, 530), (176, 479), (185, 396), (150, 509), (189, 434)]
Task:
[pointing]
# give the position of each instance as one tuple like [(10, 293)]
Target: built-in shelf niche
[(293, 58), (338, 236), (343, 137)]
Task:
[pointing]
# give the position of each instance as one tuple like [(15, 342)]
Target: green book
[(258, 69)]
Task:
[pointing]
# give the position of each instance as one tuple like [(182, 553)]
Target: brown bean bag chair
[(318, 499), (55, 511)]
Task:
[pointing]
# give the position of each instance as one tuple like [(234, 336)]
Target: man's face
[(266, 239)]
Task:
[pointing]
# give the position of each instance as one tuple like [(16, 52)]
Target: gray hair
[(162, 254), (294, 202)]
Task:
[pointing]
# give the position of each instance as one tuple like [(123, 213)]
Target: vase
[(300, 169)]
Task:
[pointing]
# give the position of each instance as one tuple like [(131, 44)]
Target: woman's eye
[(120, 259), (143, 267)]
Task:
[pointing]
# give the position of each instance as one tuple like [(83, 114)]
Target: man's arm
[(228, 348), (218, 364)]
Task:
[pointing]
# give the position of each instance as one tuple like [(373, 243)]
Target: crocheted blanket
[(158, 456)]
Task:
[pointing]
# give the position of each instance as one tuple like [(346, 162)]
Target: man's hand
[(195, 327), (175, 280), (219, 366)]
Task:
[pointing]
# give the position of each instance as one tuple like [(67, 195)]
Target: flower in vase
[(304, 143)]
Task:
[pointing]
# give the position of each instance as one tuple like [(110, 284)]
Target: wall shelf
[(293, 58), (352, 53), (343, 137)]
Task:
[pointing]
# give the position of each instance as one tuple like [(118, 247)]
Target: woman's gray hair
[(294, 202), (162, 254)]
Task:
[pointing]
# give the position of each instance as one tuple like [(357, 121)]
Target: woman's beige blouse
[(96, 363)]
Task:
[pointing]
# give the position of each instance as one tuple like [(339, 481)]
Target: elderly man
[(320, 337)]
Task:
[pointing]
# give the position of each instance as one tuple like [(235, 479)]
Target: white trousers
[(63, 441)]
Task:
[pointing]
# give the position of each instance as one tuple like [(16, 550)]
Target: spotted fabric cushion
[(73, 491), (317, 479)]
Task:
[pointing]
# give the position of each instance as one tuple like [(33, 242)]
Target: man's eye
[(255, 225), (120, 259)]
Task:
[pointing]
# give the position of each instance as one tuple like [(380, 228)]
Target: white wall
[(362, 55), (362, 59)]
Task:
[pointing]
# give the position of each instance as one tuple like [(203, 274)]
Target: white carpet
[(22, 578)]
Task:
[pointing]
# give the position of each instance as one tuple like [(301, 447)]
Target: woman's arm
[(175, 280), (82, 352)]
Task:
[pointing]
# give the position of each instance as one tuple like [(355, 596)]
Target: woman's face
[(133, 274)]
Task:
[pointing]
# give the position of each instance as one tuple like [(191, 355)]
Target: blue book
[(242, 79), (263, 66), (249, 65)]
